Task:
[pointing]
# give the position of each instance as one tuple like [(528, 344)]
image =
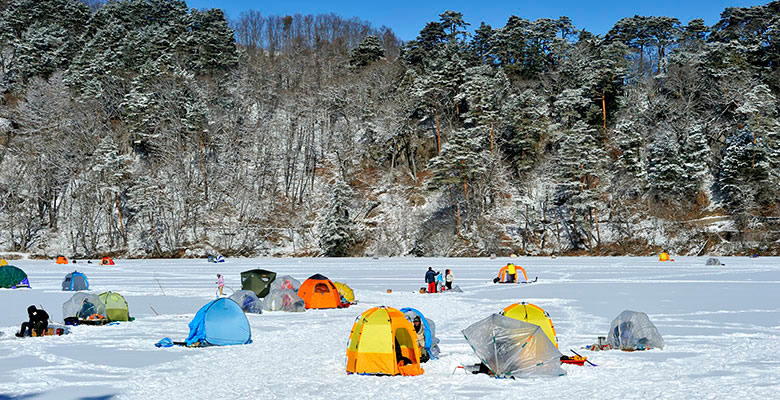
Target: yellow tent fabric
[(3, 262), (533, 314), (663, 257), (345, 291), (116, 306), (376, 337)]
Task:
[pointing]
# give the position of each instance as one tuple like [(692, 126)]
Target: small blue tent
[(431, 341), (216, 259), (221, 322), (75, 281)]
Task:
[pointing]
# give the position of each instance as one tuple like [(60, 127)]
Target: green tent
[(116, 306), (12, 277), (258, 281)]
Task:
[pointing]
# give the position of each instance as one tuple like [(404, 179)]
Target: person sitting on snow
[(430, 279), (420, 329), (39, 320), (399, 355)]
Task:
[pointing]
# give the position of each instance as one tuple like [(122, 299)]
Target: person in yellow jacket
[(512, 272)]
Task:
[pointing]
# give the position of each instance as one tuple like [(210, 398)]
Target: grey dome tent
[(75, 281), (284, 300), (512, 348), (82, 305), (285, 282), (248, 301), (713, 261), (633, 330), (258, 281)]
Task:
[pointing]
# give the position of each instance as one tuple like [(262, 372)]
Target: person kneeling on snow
[(418, 327), (440, 282), (39, 320), (430, 279)]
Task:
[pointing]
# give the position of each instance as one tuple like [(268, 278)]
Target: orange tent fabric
[(502, 275), (663, 256), (107, 261), (62, 260), (377, 337), (319, 292)]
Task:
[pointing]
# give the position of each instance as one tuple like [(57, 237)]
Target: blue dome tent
[(431, 341), (221, 322), (75, 281)]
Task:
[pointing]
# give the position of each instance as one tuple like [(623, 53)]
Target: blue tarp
[(430, 347), (221, 322)]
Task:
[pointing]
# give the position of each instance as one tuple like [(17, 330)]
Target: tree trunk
[(491, 138), (108, 222), (203, 168), (154, 235), (121, 225), (598, 231), (604, 108), (438, 130), (458, 219)]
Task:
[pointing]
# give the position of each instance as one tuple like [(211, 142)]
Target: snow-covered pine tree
[(110, 165), (579, 168), (666, 177), (366, 53), (337, 232)]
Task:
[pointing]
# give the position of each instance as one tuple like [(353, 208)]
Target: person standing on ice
[(430, 279), (440, 282), (220, 283), (448, 278)]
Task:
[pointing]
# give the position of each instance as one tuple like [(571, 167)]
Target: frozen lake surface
[(721, 325)]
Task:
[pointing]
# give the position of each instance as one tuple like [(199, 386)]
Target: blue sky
[(406, 18)]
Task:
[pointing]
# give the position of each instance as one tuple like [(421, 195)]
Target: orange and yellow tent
[(503, 276), (61, 260), (663, 256), (319, 292), (532, 314), (383, 342), (107, 261)]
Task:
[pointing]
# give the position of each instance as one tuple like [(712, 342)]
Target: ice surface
[(720, 326)]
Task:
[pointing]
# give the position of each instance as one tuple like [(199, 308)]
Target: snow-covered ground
[(721, 326)]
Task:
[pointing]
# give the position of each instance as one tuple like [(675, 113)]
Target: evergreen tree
[(337, 231), (665, 171), (38, 38), (368, 51)]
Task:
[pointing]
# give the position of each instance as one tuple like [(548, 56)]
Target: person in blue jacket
[(430, 279)]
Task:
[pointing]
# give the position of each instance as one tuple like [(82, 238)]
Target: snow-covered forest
[(145, 128)]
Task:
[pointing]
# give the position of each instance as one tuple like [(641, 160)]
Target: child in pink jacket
[(220, 283)]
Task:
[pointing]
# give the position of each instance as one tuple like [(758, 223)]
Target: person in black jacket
[(39, 320), (430, 279)]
